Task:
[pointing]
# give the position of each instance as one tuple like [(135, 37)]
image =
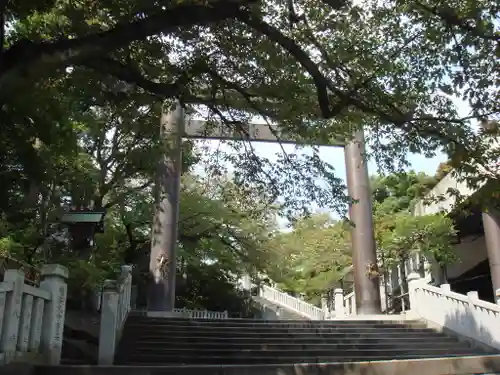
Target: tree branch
[(28, 54), (322, 84), (132, 76), (449, 16)]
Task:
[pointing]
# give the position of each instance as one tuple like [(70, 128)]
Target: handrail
[(458, 296), (466, 315), (294, 304), (114, 311)]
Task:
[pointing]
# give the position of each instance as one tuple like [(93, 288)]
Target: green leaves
[(316, 254), (431, 235), (311, 258)]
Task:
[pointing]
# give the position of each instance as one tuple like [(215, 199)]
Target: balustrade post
[(339, 303), (414, 281), (54, 281), (324, 307), (446, 287), (12, 314), (109, 321), (472, 296)]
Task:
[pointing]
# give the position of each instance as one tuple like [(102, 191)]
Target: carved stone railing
[(200, 314), (32, 318), (291, 303), (349, 303), (114, 311), (467, 316)]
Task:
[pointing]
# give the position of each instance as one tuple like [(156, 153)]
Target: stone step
[(284, 335), (430, 366), (275, 330), (285, 353), (259, 322), (274, 327), (165, 359), (196, 346), (256, 340)]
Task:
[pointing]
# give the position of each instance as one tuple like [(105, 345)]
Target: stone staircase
[(167, 346), (131, 343), (148, 341)]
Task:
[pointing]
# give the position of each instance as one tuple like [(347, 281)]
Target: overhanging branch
[(27, 54)]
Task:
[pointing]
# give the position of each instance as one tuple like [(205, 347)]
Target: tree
[(375, 64), (319, 69), (312, 257), (399, 191), (430, 235), (106, 160), (317, 252)]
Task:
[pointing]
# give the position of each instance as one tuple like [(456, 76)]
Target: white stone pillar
[(473, 297), (54, 281), (324, 307), (446, 287), (109, 321), (414, 281), (124, 297), (339, 303), (12, 314)]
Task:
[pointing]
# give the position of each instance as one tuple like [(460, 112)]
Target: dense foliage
[(390, 66), (317, 252), (82, 83)]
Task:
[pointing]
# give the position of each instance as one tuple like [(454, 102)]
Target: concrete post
[(109, 322), (163, 262), (54, 281), (126, 279), (12, 314), (413, 281), (446, 287), (473, 296), (364, 256), (339, 303), (491, 223), (324, 307)]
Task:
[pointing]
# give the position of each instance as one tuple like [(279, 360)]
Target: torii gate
[(161, 293)]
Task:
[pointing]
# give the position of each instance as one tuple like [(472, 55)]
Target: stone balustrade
[(300, 307), (467, 315), (200, 314), (347, 303), (114, 311), (32, 318)]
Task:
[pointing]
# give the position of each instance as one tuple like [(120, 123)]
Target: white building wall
[(471, 251)]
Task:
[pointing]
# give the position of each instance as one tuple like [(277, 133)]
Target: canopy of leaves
[(81, 84), (388, 65), (107, 160)]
